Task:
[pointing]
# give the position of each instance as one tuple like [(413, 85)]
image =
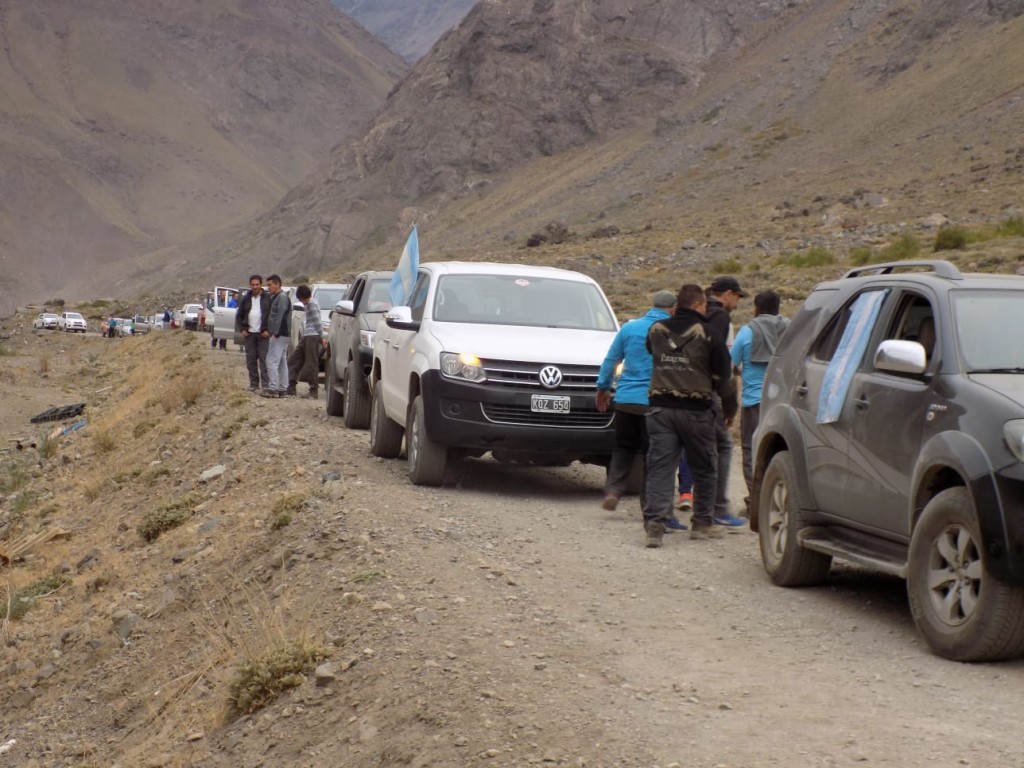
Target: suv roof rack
[(940, 267)]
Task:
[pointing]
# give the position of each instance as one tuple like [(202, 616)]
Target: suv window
[(976, 315), (418, 298), (828, 342)]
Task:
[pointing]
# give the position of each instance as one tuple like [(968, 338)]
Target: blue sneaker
[(730, 521), (673, 524)]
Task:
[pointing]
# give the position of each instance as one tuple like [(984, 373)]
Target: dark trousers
[(669, 432), (723, 446), (304, 362), (256, 359), (630, 442), (748, 423)]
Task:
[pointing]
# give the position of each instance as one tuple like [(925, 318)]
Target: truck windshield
[(543, 302), (975, 315)]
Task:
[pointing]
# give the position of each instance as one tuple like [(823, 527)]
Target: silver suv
[(892, 436)]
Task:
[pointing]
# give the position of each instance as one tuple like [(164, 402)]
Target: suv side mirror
[(345, 307), (401, 319), (900, 356)]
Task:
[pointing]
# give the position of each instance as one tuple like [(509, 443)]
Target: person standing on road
[(630, 399), (278, 325), (304, 361), (251, 321), (690, 365), (754, 346), (723, 297)]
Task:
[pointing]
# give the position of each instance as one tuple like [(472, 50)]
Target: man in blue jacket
[(630, 400)]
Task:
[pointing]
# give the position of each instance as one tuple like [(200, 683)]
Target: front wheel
[(963, 613), (335, 400), (385, 434), (780, 519), (427, 459), (357, 399)]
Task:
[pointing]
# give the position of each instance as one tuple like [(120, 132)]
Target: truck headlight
[(462, 365), (366, 339), (1013, 434)]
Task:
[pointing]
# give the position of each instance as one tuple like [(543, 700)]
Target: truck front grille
[(523, 416), (519, 375)]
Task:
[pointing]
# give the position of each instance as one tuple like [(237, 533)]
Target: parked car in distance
[(190, 316), (892, 436), (46, 320), (499, 358), (72, 322), (141, 325), (350, 347)]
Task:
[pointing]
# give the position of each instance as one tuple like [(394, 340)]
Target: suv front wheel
[(427, 459), (779, 522), (385, 434), (962, 612)]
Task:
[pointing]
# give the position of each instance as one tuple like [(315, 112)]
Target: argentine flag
[(405, 272)]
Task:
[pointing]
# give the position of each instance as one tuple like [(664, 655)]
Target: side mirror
[(345, 307), (401, 319), (901, 356)]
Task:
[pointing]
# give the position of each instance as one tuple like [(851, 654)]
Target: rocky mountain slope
[(730, 125), (408, 27), (129, 126)]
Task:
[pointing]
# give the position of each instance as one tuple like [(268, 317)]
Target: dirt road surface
[(501, 620)]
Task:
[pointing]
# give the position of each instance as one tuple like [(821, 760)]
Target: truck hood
[(1009, 385), (567, 346)]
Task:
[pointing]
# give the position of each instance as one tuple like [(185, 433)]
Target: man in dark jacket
[(279, 327), (251, 321), (723, 297), (691, 365)]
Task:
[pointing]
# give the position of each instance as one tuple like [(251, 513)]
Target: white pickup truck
[(492, 357)]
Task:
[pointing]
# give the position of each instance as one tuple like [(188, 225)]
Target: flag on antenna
[(405, 272)]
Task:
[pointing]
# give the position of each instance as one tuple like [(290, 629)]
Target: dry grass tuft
[(259, 680), (166, 517)]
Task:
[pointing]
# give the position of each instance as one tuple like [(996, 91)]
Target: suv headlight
[(1013, 434), (366, 339), (463, 366)]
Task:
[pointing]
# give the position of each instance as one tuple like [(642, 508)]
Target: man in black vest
[(691, 363), (251, 321)]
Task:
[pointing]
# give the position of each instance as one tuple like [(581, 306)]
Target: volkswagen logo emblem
[(550, 377)]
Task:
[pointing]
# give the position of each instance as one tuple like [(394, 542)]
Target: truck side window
[(418, 299)]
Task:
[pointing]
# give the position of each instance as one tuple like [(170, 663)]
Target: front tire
[(427, 459), (385, 434), (963, 613), (357, 399), (780, 519), (335, 400)]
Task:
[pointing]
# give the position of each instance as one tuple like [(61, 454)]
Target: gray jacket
[(279, 322)]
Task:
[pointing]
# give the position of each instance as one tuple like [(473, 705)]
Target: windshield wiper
[(1017, 369)]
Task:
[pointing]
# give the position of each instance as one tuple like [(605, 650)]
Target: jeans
[(748, 423), (669, 432), (304, 362), (277, 363), (685, 476), (723, 445), (256, 359), (630, 441)]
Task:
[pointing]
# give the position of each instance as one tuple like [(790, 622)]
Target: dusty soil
[(502, 620)]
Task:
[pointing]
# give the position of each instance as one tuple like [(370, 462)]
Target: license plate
[(549, 403)]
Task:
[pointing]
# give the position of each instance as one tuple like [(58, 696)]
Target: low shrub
[(902, 248), (258, 681), (1012, 226), (815, 257), (16, 605), (166, 517), (104, 441), (950, 239)]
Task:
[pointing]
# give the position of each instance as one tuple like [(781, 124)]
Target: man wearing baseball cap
[(724, 296)]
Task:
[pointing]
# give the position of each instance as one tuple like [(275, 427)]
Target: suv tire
[(335, 400), (427, 459), (385, 435), (356, 408), (779, 523), (962, 612)]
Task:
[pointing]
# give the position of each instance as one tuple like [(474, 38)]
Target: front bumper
[(494, 418)]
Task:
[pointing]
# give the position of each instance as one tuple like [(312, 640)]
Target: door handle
[(802, 390), (861, 403)]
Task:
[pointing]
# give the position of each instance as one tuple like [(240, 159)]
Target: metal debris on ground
[(61, 431), (59, 413)]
